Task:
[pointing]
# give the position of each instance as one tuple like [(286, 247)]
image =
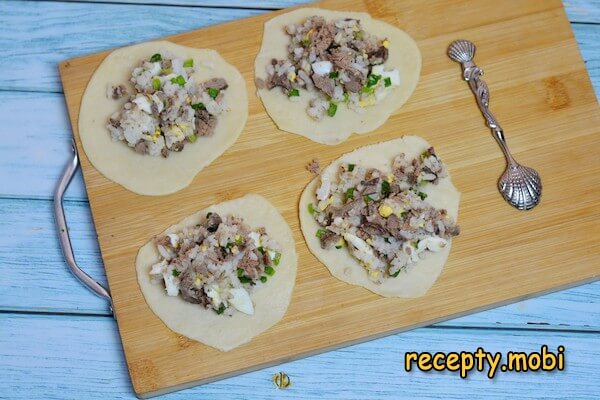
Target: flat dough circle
[(292, 117), (419, 278), (270, 302), (142, 173)]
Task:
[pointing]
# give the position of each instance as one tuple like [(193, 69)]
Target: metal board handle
[(63, 232)]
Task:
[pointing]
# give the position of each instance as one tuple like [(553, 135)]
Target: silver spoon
[(520, 186)]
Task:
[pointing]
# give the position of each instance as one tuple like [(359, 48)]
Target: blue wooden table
[(59, 341)]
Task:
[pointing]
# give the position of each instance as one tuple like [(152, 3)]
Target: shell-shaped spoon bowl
[(461, 51), (521, 186)]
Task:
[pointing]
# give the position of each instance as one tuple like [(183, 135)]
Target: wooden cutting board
[(540, 92)]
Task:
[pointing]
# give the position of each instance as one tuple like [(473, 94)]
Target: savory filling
[(216, 264), (167, 109), (334, 63), (383, 219)]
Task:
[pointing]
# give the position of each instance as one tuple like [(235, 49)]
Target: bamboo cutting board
[(541, 94)]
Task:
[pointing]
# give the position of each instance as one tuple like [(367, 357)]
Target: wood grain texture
[(30, 221), (324, 312), (74, 29), (81, 356)]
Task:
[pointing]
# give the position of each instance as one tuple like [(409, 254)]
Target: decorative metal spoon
[(520, 186)]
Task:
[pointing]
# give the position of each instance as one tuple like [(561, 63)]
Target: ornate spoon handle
[(520, 186), (472, 74)]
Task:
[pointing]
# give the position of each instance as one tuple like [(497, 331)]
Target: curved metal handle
[(63, 233)]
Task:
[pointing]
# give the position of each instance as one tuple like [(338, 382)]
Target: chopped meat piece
[(329, 239), (118, 92), (356, 82), (379, 56), (213, 220), (164, 152), (325, 83), (341, 58), (279, 80), (177, 146), (141, 147), (205, 123), (216, 83), (314, 167), (323, 39)]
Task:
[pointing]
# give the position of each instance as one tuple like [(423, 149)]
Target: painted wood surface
[(85, 29), (81, 357), (31, 162)]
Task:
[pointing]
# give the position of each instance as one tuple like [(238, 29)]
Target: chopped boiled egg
[(240, 299), (322, 67), (385, 210), (171, 283), (255, 236), (143, 103), (214, 292)]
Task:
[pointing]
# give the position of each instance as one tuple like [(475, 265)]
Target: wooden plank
[(66, 28), (30, 221), (38, 148), (587, 11), (324, 313), (57, 358)]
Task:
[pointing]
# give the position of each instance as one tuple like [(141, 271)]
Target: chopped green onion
[(395, 274), (293, 93), (176, 273), (269, 270), (351, 167), (367, 90), (260, 248), (422, 195), (263, 279), (306, 42), (156, 84), (321, 232), (334, 74), (192, 138), (346, 97), (277, 258), (332, 109), (156, 57), (209, 214), (385, 188), (340, 244), (240, 272), (212, 92), (166, 71), (387, 82), (359, 35), (311, 209), (245, 279), (239, 241), (179, 80), (373, 79), (424, 155), (198, 106), (350, 193), (367, 198), (403, 214), (189, 63), (221, 309)]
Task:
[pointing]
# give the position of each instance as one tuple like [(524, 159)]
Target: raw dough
[(290, 116), (270, 302), (144, 174), (419, 277)]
